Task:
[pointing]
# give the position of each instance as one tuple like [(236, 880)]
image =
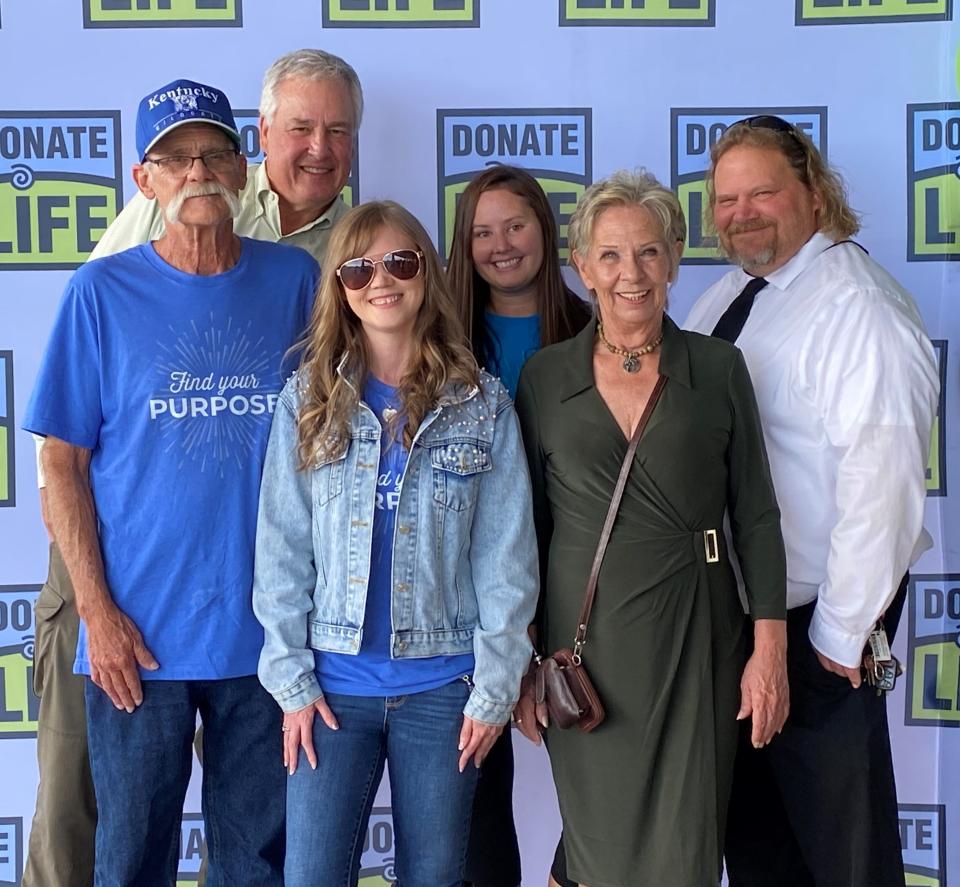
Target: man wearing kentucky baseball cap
[(182, 101), (167, 625)]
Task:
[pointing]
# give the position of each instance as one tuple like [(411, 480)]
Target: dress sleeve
[(754, 514)]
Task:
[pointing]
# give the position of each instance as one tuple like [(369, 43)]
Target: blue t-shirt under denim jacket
[(372, 672), (463, 575), (170, 379)]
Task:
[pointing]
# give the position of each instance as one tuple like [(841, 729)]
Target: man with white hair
[(311, 106), (155, 397), (310, 111)]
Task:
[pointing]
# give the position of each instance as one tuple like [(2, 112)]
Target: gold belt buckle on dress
[(711, 547)]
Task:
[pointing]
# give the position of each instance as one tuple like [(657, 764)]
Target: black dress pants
[(493, 855), (818, 806)]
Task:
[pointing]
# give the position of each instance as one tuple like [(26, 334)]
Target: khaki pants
[(64, 823)]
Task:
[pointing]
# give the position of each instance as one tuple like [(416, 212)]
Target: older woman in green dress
[(644, 796)]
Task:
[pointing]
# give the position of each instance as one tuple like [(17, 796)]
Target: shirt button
[(401, 645)]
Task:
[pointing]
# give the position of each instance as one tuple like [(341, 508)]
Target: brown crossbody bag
[(562, 681)]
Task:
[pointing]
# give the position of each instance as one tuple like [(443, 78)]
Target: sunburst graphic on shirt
[(218, 386)]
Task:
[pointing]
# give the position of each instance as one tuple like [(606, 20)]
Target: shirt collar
[(453, 392), (788, 273), (268, 201), (578, 371)]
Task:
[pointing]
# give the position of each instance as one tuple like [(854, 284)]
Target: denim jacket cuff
[(487, 712), (301, 694)]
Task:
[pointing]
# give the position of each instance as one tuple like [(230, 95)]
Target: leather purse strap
[(581, 636)]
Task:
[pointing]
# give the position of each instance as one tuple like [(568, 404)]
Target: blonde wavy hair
[(628, 188), (835, 217), (335, 357)]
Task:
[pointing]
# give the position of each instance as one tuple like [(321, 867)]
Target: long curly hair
[(836, 217), (335, 352), (562, 313)]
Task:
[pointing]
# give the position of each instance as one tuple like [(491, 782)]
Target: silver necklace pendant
[(388, 413), (631, 363)]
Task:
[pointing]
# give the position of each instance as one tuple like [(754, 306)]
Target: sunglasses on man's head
[(403, 264), (771, 122)]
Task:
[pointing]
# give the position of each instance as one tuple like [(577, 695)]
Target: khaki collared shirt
[(142, 220)]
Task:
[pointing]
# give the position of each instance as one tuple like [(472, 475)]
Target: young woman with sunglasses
[(505, 273), (395, 564)]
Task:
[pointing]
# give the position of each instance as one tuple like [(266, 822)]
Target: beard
[(201, 189), (760, 256)]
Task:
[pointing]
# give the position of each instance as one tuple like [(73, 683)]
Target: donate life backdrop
[(572, 89)]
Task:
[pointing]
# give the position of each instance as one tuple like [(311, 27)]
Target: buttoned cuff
[(487, 712), (299, 695), (836, 643)]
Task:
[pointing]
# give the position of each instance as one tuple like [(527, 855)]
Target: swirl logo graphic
[(21, 176), (59, 185), (248, 125)]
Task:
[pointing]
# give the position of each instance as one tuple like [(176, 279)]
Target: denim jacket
[(464, 576)]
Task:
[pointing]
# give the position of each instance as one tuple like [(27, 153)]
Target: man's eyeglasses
[(403, 264), (221, 161)]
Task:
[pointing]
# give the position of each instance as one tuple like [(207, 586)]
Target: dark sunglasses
[(403, 264), (772, 122)]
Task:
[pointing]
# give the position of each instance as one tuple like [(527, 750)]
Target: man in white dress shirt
[(847, 384)]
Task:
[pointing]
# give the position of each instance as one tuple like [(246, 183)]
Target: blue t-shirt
[(171, 380), (510, 341), (372, 672)]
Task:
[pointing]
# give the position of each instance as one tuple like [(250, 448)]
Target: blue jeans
[(328, 808), (141, 765)]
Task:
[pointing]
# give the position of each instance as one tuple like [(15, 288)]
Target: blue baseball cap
[(182, 101)]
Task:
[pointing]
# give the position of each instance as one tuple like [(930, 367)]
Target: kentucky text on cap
[(182, 101)]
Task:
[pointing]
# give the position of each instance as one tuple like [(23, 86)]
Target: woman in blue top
[(505, 273), (395, 564)]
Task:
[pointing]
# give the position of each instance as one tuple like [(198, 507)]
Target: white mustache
[(201, 189)]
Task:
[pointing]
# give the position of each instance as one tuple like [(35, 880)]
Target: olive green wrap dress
[(643, 797)]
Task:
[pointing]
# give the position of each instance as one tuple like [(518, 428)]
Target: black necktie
[(732, 320)]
